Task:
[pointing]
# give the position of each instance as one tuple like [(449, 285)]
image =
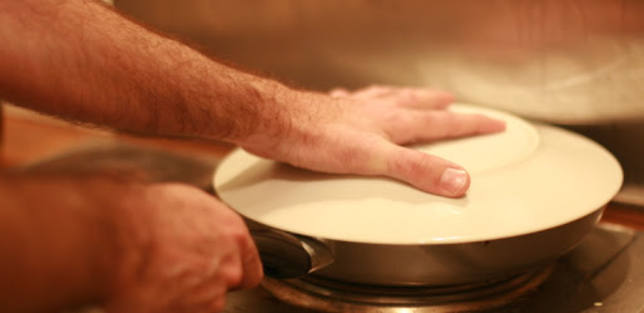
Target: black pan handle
[(285, 255)]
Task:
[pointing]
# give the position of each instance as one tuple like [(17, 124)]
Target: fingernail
[(453, 180)]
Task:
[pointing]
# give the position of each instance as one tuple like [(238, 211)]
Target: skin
[(155, 248), (168, 247)]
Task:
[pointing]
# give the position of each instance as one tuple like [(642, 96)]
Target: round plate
[(485, 153), (526, 179)]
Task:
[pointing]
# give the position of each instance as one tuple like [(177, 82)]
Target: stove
[(605, 273), (337, 297)]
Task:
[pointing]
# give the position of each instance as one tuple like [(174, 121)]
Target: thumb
[(426, 172)]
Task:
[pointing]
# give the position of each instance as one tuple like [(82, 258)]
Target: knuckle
[(240, 237), (405, 97), (433, 118), (403, 100), (418, 169), (233, 223), (378, 88), (409, 165), (479, 121), (358, 158), (410, 93), (467, 124), (441, 122), (235, 275), (218, 305), (397, 118), (255, 280), (237, 237)]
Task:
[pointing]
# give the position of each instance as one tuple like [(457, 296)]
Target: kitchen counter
[(30, 137)]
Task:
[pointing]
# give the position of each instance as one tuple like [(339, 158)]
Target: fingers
[(251, 264), (375, 92), (435, 125), (243, 268), (426, 172), (421, 98)]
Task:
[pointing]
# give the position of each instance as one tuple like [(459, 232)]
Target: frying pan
[(536, 191)]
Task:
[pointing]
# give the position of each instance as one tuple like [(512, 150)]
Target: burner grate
[(331, 296)]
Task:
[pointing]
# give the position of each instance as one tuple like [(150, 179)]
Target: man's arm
[(69, 241), (82, 61)]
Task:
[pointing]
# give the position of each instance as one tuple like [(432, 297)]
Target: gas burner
[(331, 296)]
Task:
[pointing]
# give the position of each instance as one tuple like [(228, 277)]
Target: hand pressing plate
[(529, 178)]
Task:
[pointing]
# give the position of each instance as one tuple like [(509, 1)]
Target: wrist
[(272, 117), (294, 116), (128, 237)]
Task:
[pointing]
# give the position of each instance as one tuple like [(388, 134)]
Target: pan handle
[(285, 255)]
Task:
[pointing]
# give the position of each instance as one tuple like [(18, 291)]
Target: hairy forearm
[(56, 244), (80, 60)]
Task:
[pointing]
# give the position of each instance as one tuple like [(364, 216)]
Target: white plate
[(526, 179)]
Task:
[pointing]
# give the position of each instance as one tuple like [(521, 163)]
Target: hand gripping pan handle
[(286, 255)]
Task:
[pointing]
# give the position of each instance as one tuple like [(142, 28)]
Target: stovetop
[(605, 273)]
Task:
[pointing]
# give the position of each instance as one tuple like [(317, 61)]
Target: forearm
[(80, 60), (55, 242)]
